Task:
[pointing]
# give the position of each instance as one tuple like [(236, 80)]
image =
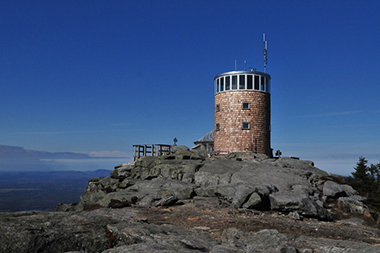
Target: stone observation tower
[(242, 112)]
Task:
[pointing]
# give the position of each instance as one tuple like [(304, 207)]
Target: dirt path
[(215, 220)]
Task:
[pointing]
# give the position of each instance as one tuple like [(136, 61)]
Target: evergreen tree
[(361, 179), (366, 180), (374, 172)]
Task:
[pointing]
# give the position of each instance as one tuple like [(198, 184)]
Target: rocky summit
[(190, 202)]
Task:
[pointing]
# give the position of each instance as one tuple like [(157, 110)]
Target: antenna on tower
[(235, 65), (265, 46)]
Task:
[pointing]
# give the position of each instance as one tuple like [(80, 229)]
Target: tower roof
[(209, 137), (243, 72)]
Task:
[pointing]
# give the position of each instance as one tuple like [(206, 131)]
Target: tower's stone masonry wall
[(231, 137)]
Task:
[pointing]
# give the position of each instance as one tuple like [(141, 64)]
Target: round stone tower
[(242, 112)]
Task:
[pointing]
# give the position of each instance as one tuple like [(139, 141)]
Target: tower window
[(246, 126), (227, 83), (234, 82), (249, 82), (245, 106), (242, 82), (217, 108), (262, 83), (217, 127), (257, 82)]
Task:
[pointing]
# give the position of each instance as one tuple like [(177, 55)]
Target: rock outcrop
[(240, 180), (138, 229), (188, 202)]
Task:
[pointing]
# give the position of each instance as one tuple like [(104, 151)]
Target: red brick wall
[(230, 117)]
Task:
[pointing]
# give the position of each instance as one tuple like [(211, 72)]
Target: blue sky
[(96, 77)]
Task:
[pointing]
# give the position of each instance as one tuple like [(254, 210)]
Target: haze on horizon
[(94, 78)]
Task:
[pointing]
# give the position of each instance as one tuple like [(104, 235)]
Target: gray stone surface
[(244, 180), (269, 240), (126, 230), (322, 245), (122, 171), (332, 189), (176, 148), (253, 201), (349, 190), (354, 203), (293, 188)]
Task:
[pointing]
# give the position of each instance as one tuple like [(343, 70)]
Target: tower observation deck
[(242, 112)]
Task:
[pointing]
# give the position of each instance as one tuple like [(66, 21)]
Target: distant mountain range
[(12, 151), (13, 158)]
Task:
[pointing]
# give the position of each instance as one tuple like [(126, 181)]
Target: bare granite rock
[(241, 180), (187, 202), (185, 228)]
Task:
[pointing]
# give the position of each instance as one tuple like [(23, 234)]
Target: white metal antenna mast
[(265, 45)]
